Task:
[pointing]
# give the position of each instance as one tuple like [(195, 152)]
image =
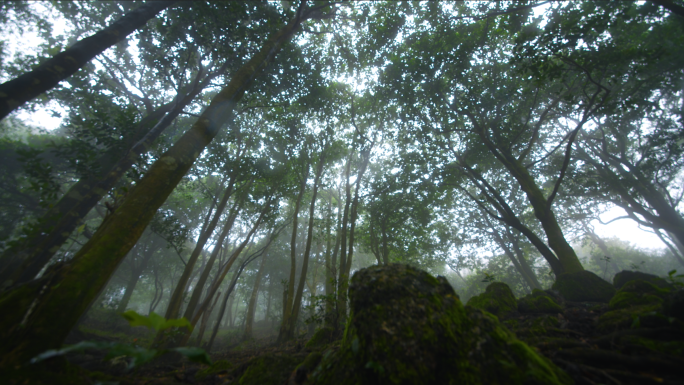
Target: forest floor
[(643, 355)]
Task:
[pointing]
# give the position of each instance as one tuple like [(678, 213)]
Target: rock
[(269, 369), (674, 305), (625, 276), (638, 292), (538, 302), (631, 317), (583, 286), (215, 368), (408, 327), (497, 299), (302, 372), (322, 337)]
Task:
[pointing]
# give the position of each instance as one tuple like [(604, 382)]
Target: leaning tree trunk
[(39, 315), (16, 92), (199, 286), (23, 261), (176, 299)]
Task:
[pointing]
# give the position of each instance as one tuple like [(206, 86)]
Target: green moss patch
[(497, 299), (625, 276), (624, 318), (215, 368), (409, 327), (583, 286), (322, 337), (538, 302), (270, 369)]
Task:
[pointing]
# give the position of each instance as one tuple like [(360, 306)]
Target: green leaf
[(155, 321), (194, 354)]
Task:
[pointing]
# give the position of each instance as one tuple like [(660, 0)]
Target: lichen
[(497, 299), (409, 327)]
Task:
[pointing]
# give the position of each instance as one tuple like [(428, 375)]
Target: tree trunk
[(176, 300), (287, 310), (541, 206), (205, 320), (44, 323), (24, 261), (288, 331), (251, 308), (16, 92), (199, 287), (341, 280), (289, 298)]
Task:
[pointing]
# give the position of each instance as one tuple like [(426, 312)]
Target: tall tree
[(80, 281)]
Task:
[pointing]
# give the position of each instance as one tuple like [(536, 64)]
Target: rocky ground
[(409, 327)]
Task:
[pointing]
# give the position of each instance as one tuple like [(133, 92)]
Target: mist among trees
[(235, 163)]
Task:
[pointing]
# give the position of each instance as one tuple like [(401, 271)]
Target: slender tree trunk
[(16, 92), (205, 320), (341, 280), (176, 300), (287, 309), (269, 294), (199, 287), (355, 206), (251, 308), (329, 269), (41, 322), (289, 326)]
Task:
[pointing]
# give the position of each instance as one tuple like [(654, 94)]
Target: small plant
[(677, 280), (605, 269), (488, 278), (137, 355), (636, 267)]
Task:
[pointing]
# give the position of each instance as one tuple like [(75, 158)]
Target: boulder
[(497, 299), (583, 286), (408, 327), (538, 301), (625, 276), (638, 292)]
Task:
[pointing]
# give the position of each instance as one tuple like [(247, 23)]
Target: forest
[(341, 192)]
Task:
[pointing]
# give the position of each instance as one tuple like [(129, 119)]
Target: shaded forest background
[(475, 140)]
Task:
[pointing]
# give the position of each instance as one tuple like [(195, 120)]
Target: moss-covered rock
[(303, 370), (322, 337), (408, 327), (583, 286), (625, 276), (674, 305), (269, 369), (215, 368), (625, 318), (497, 299), (538, 301), (638, 292)]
